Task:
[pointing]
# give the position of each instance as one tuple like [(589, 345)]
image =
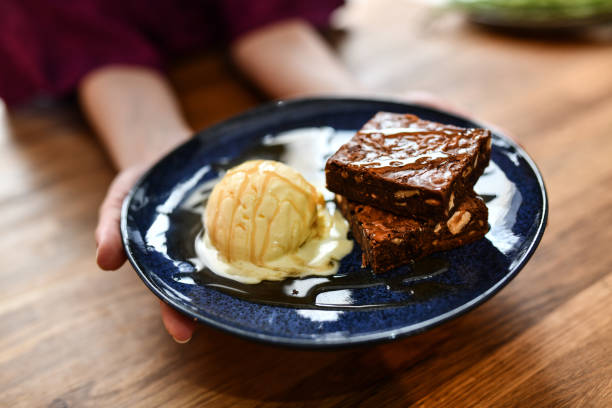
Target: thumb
[(110, 254)]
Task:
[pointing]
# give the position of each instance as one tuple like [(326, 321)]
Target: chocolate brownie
[(409, 166), (389, 240)]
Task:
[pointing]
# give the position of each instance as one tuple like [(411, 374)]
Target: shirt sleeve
[(242, 16), (46, 47)]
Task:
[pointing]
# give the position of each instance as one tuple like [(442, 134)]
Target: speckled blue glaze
[(477, 271)]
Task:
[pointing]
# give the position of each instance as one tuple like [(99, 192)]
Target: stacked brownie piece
[(406, 187)]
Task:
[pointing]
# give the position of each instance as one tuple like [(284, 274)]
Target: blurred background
[(71, 335)]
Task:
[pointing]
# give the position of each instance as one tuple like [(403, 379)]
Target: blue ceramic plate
[(162, 217)]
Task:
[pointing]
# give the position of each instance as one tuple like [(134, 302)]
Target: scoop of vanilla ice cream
[(260, 211)]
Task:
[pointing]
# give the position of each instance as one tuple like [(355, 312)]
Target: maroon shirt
[(47, 46)]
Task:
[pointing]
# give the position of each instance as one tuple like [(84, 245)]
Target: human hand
[(110, 254)]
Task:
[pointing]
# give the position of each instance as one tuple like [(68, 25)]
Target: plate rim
[(327, 343)]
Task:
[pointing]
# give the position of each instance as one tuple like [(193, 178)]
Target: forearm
[(291, 59), (134, 112)]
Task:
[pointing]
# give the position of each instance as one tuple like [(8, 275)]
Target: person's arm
[(137, 117), (291, 59), (135, 113)]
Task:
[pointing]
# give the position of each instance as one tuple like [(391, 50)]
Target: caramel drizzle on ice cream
[(265, 221), (255, 256)]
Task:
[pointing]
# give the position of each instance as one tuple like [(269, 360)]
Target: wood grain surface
[(74, 336)]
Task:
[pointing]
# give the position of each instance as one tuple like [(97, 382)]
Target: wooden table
[(72, 335)]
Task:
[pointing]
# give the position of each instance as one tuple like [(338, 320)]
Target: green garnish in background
[(538, 10)]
